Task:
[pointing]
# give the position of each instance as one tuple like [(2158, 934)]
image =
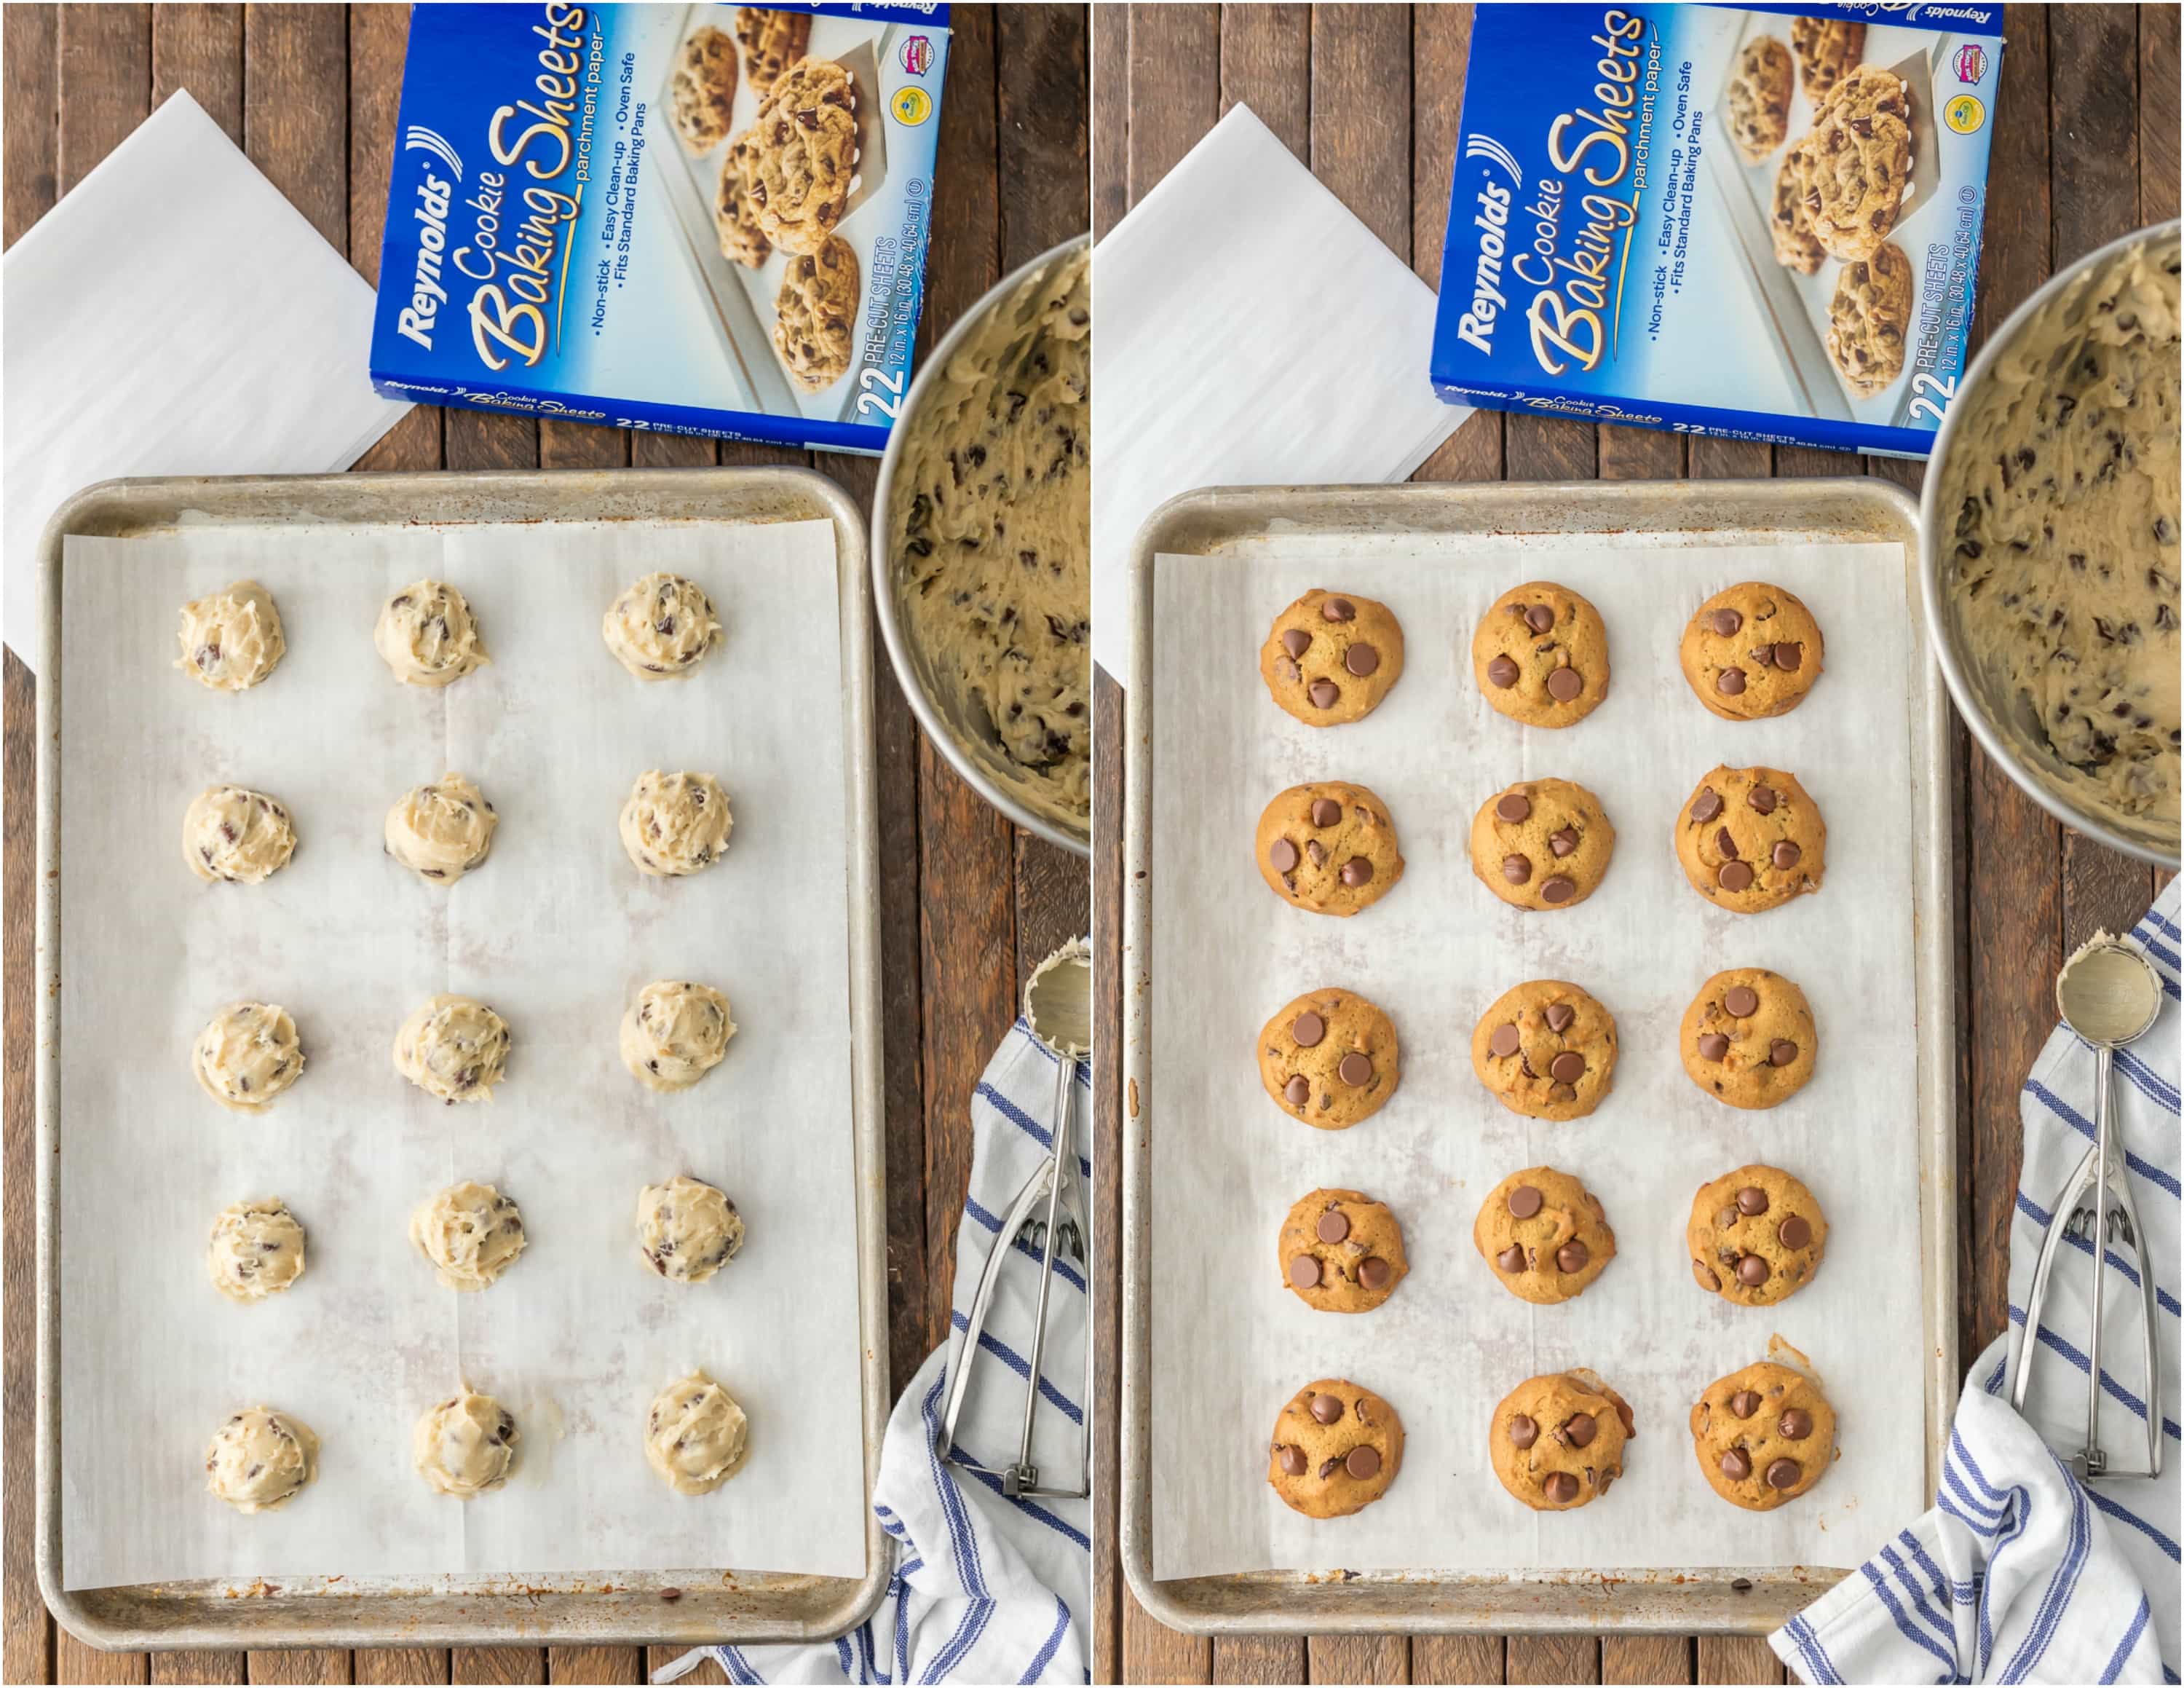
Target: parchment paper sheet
[(557, 931), (1230, 1343)]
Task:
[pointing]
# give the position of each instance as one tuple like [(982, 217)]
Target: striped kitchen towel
[(2023, 1574), (982, 1589)]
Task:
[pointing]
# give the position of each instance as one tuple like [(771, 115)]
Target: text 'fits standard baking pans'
[(597, 1606), (1236, 525)]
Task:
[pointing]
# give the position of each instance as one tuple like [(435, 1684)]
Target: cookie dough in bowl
[(675, 1033), (233, 834), (465, 1444), (260, 1459), (453, 1048), (231, 639), (246, 1055), (257, 1250), (470, 1232), (686, 1229), (662, 627), (426, 635), (675, 824), (441, 832), (695, 1435)]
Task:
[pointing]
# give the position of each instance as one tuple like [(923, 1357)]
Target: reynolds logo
[(1476, 328), (417, 138)]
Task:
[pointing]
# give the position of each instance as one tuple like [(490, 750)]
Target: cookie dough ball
[(231, 639), (232, 833), (1330, 658), (1541, 844), (1747, 1038), (771, 39), (1341, 1251), (1540, 655), (1547, 1049), (427, 637), (675, 824), (675, 1033), (1756, 1236), (695, 1436), (662, 627), (246, 1055), (1328, 847), (257, 1250), (1545, 1234), (1764, 1435), (453, 1048), (1751, 839), (441, 832), (466, 1445), (701, 89), (1336, 1449), (1558, 1440), (686, 1230), (1753, 650), (1329, 1059), (470, 1232), (260, 1459)]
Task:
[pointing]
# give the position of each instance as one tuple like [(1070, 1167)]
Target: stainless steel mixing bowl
[(968, 743), (1985, 706)]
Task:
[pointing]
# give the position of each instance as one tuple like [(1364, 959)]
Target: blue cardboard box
[(1634, 233), (553, 244)]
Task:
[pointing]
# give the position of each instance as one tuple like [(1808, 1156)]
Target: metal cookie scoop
[(2109, 995), (1049, 1214)]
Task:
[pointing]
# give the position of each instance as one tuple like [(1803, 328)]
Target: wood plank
[(1173, 99), (595, 1664), (1641, 454), (1043, 146), (300, 1664), (1152, 1652), (1457, 1658), (581, 445), (1257, 1658), (1726, 459), (200, 48), (498, 1664), (1361, 118), (1111, 142), (402, 1664), (1801, 461), (295, 109), (1648, 1659), (2158, 118), (1738, 1658), (658, 1657), (1553, 1658), (1549, 449), (191, 1665), (1266, 64), (1361, 1659)]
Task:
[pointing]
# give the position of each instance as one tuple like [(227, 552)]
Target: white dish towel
[(2022, 1574), (984, 1589)]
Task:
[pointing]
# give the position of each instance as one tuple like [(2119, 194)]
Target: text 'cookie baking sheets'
[(558, 931), (1232, 1344)]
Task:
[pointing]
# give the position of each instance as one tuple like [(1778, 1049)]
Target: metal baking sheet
[(1233, 523), (600, 1605)]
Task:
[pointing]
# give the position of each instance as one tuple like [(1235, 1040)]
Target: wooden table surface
[(969, 905), (2084, 149)]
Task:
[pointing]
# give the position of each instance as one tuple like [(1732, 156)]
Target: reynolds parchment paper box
[(692, 219), (1763, 222)]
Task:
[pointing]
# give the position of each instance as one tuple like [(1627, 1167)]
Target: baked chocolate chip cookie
[(1328, 847), (1859, 159), (1826, 49), (1331, 657), (1336, 1449), (1546, 1049), (1759, 96), (1868, 319), (1545, 1234), (1541, 654), (804, 152), (1558, 1440), (1341, 1251), (1750, 839), (1329, 1059), (771, 39), (1764, 1435), (1541, 844), (1756, 1236), (1791, 221), (701, 89), (1752, 651), (1748, 1039), (735, 212), (815, 314)]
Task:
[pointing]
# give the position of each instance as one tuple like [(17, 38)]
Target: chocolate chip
[(1789, 658), (1563, 842), (1375, 1272), (1797, 1423), (1503, 672), (1298, 1090), (1506, 1041), (1737, 1465), (1297, 641), (1525, 1201), (1713, 1046), (1356, 871), (1705, 1274), (1511, 1258), (1324, 695), (1565, 684), (1304, 1272), (1338, 609), (1751, 1272), (1730, 682), (1327, 1409), (1282, 856), (1538, 617), (1580, 1430), (1516, 869), (1512, 807), (1726, 622), (1787, 855), (1294, 1463), (1744, 1403), (1308, 1029), (1764, 798), (1522, 1432), (1557, 890), (1327, 1468), (1356, 1070), (1325, 812), (1741, 1001), (1781, 1052), (1362, 660), (1707, 805), (1569, 1067), (1725, 841), (1751, 1201), (1362, 1463), (1333, 1225), (1784, 1474), (1734, 875), (1317, 851), (1797, 1231), (1574, 1256), (1561, 1487)]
